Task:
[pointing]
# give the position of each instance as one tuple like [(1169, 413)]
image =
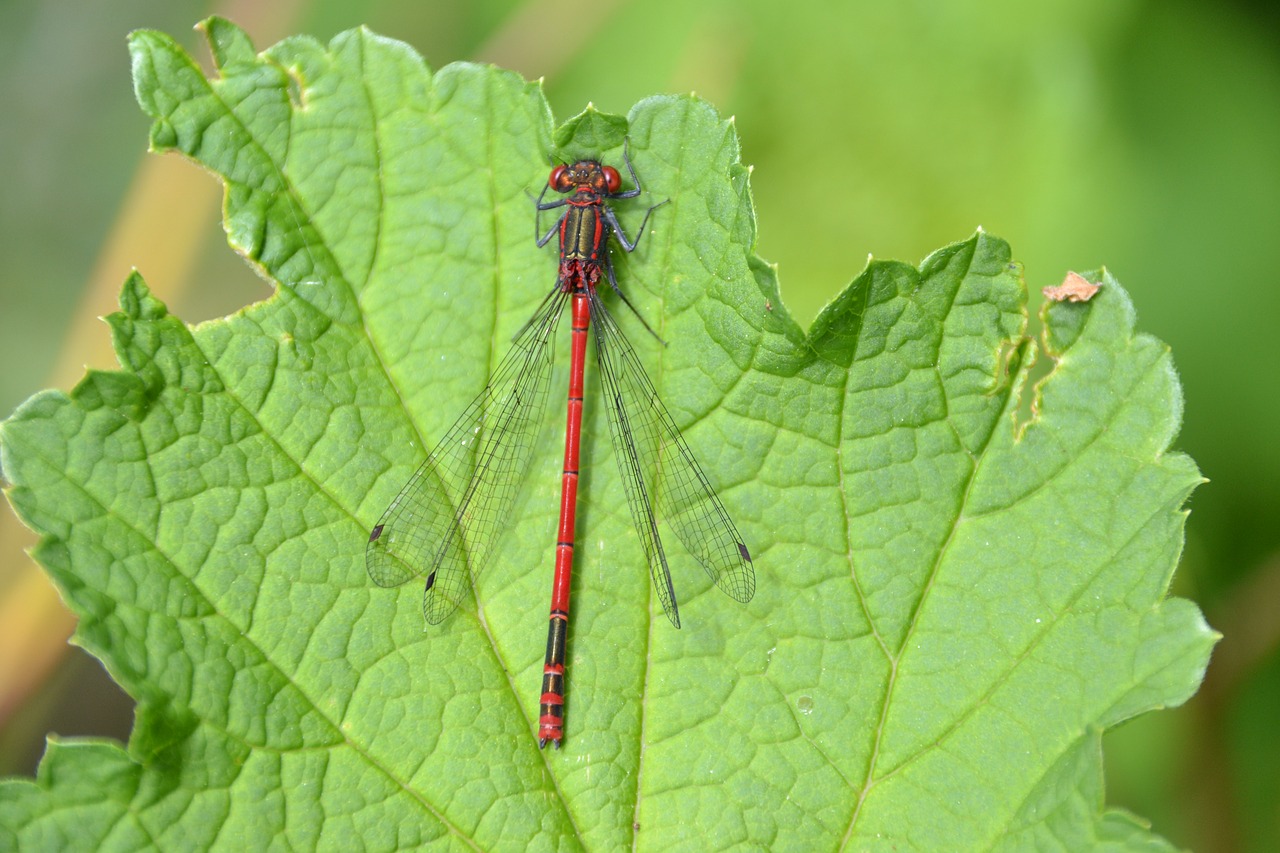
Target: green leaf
[(952, 603)]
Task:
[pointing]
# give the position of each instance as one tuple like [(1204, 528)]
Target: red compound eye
[(559, 180), (612, 180)]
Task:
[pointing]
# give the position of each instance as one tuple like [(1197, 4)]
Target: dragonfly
[(447, 518)]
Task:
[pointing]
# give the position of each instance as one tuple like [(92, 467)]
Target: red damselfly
[(447, 517)]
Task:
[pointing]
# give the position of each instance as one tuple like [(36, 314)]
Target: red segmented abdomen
[(551, 706)]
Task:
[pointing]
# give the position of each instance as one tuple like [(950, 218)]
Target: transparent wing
[(446, 518), (658, 469)]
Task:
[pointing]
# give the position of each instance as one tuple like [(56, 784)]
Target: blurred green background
[(1140, 135)]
